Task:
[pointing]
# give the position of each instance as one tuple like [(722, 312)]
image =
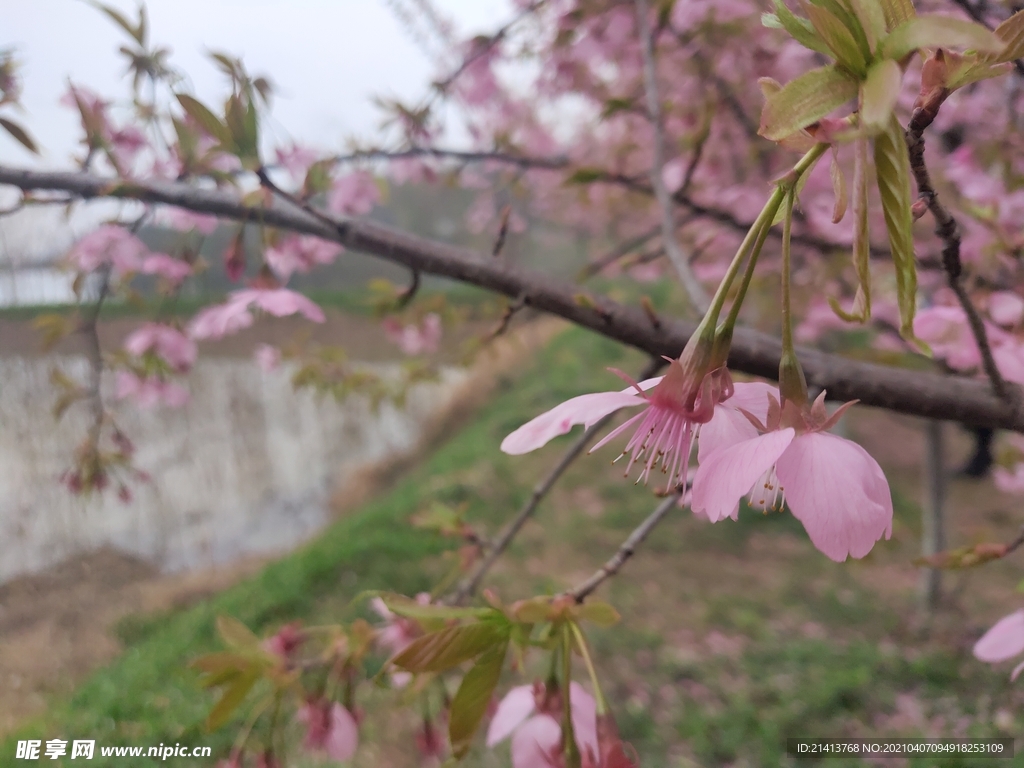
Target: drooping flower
[(268, 358), (330, 728), (167, 267), (185, 220), (531, 715), (397, 633), (300, 253), (353, 194), (167, 343), (149, 391), (285, 641), (831, 485), (678, 406), (234, 314), (1004, 640), (415, 339), (108, 245)]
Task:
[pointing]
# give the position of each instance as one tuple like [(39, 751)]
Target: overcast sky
[(327, 57)]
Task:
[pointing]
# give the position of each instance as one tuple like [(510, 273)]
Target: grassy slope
[(735, 635)]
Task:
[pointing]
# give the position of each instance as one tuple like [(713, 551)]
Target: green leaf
[(598, 612), (1011, 32), (800, 29), (897, 12), (892, 168), (934, 31), (216, 663), (235, 634), (208, 121), (450, 647), (872, 20), (137, 34), (242, 124), (471, 700), (839, 38), (410, 609), (972, 70), (806, 100), (19, 134), (861, 242), (835, 172), (232, 698), (879, 93)]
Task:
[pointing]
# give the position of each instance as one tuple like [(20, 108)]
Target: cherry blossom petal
[(726, 428), (281, 302), (584, 409), (342, 737), (752, 396), (220, 320), (512, 711), (536, 743), (1016, 671), (838, 492), (729, 474), (1005, 308), (1003, 641), (584, 717)]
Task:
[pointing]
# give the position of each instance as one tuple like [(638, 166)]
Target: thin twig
[(694, 289), (626, 550), (484, 46), (948, 231), (471, 583)]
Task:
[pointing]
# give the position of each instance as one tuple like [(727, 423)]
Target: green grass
[(735, 636)]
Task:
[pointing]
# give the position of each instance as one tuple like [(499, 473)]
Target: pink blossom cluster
[(750, 445), (123, 145), (236, 313), (299, 253), (157, 350), (415, 338), (114, 246)]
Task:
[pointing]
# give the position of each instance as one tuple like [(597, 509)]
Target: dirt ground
[(57, 625)]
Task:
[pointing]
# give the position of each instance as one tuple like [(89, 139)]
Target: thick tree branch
[(929, 395)]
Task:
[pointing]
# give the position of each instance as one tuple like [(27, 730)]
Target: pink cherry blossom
[(296, 159), (172, 269), (233, 315), (268, 358), (415, 339), (125, 145), (531, 715), (330, 728), (220, 320), (150, 391), (831, 485), (353, 194), (167, 343), (185, 220), (285, 641), (1003, 641), (664, 429), (108, 245), (397, 631), (1005, 308), (300, 253)]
